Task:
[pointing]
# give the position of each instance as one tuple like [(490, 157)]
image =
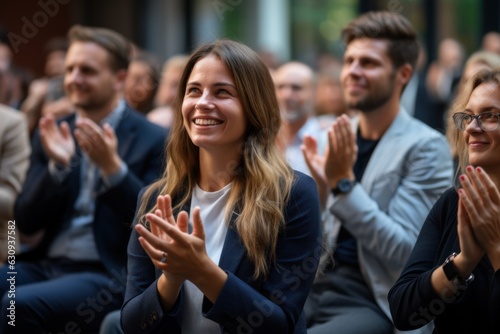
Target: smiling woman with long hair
[(246, 256)]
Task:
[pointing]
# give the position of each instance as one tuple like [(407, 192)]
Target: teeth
[(200, 121)]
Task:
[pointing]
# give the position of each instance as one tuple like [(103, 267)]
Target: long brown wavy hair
[(261, 180)]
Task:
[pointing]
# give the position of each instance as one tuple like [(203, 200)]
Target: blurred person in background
[(491, 42), (165, 95), (46, 95), (442, 78), (328, 101), (14, 160), (142, 81), (85, 173), (15, 79), (295, 84)]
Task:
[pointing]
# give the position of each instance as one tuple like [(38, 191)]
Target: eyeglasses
[(487, 121)]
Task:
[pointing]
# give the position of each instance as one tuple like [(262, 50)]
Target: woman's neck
[(217, 170)]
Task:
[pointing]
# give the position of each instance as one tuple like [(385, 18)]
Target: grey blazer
[(408, 171)]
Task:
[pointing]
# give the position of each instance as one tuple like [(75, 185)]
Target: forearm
[(42, 203), (210, 281), (168, 291), (442, 286), (389, 238)]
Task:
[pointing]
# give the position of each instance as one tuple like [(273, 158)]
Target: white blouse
[(212, 210)]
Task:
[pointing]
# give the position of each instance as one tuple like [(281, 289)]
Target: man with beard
[(294, 82), (383, 171), (80, 195)]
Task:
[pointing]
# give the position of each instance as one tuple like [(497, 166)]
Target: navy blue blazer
[(266, 305), (46, 205)]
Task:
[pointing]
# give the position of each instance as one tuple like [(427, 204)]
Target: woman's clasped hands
[(184, 252), (479, 217)]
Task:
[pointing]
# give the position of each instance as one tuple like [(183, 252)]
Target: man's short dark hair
[(396, 29), (117, 46)]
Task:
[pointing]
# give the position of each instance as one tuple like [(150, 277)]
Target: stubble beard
[(368, 104)]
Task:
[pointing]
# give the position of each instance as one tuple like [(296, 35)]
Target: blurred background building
[(307, 30)]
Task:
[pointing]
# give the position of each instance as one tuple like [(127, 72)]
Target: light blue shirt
[(294, 154), (77, 240)]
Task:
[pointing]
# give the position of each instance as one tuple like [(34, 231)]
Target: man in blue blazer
[(80, 195), (384, 171)]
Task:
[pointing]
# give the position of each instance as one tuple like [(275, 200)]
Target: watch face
[(344, 185)]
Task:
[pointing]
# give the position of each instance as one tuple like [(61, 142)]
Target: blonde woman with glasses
[(452, 275)]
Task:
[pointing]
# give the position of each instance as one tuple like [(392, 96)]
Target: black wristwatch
[(451, 272), (344, 186)]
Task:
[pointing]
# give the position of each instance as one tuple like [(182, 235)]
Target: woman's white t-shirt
[(212, 210)]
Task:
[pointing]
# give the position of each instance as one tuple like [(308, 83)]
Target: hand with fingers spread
[(316, 164), (480, 199), (154, 241), (101, 145), (185, 252), (342, 151), (57, 141), (180, 255)]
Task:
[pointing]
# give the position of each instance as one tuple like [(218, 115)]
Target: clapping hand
[(100, 144), (342, 153), (316, 163), (338, 159), (57, 141), (479, 213), (185, 253)]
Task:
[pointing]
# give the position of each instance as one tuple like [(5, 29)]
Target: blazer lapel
[(126, 134), (384, 151)]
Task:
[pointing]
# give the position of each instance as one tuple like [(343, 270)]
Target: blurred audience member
[(5, 52), (141, 84), (295, 89), (169, 83), (80, 192), (329, 101), (327, 61), (14, 160), (442, 77), (14, 79), (46, 95), (416, 99), (269, 59), (491, 42)]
